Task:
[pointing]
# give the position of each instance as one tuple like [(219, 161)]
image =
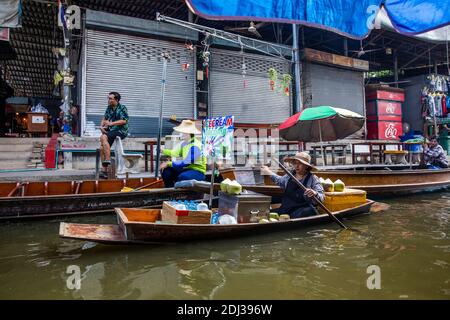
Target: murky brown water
[(410, 243)]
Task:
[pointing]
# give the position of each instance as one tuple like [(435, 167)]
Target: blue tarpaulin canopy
[(354, 19)]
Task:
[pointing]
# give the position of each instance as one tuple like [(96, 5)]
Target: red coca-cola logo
[(391, 131), (390, 108)]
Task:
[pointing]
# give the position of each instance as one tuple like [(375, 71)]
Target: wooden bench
[(400, 156)]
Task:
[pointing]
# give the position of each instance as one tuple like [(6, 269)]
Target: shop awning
[(354, 19)]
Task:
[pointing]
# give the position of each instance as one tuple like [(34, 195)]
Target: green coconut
[(234, 187), (328, 185), (339, 186), (224, 184), (274, 215), (263, 221), (273, 220), (284, 217)]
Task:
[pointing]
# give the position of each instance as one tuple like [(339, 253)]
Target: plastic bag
[(39, 108)]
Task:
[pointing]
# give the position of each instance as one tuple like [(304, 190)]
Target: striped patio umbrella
[(323, 123)]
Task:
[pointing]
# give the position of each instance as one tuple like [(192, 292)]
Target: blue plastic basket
[(413, 147)]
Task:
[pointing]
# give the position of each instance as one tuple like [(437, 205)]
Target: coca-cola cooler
[(384, 113)]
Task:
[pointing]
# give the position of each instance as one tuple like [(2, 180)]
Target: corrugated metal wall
[(412, 108), (255, 103), (334, 87), (132, 66), (329, 86)]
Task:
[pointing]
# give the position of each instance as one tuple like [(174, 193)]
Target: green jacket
[(191, 154)]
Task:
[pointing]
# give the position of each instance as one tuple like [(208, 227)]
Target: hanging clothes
[(448, 103), (438, 105), (444, 105), (431, 105)]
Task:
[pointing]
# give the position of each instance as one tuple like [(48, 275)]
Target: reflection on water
[(410, 243)]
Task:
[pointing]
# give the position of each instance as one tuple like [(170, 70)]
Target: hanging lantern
[(273, 76), (244, 72), (189, 46), (285, 83), (185, 67), (272, 85)]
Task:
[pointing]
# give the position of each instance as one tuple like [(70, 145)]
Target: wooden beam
[(335, 60), (418, 57)]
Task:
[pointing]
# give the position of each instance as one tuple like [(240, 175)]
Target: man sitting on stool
[(114, 124), (434, 154), (193, 163)]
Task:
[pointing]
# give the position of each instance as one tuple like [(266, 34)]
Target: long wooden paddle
[(147, 185), (314, 197)]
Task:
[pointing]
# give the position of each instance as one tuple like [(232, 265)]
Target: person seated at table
[(435, 154), (296, 202), (193, 163)]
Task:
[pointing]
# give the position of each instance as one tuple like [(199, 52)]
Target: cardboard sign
[(37, 119), (217, 138)]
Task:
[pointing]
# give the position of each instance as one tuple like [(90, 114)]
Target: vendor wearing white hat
[(193, 163), (296, 202)]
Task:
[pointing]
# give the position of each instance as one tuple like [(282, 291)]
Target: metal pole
[(324, 156), (66, 104), (296, 57), (66, 88), (396, 68), (165, 56), (211, 189)]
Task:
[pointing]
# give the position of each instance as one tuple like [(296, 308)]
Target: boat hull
[(377, 183), (61, 198), (146, 232), (63, 205)]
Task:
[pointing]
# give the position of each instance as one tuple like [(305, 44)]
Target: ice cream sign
[(217, 137)]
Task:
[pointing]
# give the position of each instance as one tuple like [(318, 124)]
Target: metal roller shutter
[(132, 66), (333, 87), (255, 103), (328, 86)]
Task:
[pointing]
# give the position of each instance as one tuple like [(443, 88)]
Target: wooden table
[(375, 149), (335, 150), (267, 153)]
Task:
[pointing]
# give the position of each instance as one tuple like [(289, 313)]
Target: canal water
[(403, 253)]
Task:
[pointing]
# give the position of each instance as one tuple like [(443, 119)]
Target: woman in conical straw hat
[(192, 164), (296, 202)]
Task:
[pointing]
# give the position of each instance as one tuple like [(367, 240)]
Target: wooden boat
[(377, 183), (49, 199), (133, 227)]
